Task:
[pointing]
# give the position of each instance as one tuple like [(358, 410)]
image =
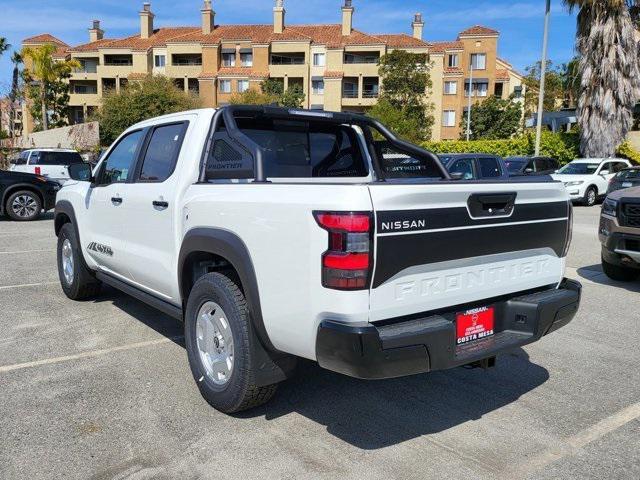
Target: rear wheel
[(77, 281), (619, 273), (23, 206), (590, 196), (218, 338)]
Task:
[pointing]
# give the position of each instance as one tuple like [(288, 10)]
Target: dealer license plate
[(474, 324)]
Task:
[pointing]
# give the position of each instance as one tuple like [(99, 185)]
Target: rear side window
[(463, 166), (401, 164), (295, 149), (58, 158), (116, 168), (162, 153), (489, 167)]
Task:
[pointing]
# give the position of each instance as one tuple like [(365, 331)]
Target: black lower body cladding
[(420, 345)]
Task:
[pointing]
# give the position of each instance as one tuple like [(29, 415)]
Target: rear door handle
[(160, 204), (116, 200)]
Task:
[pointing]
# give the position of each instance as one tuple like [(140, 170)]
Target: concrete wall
[(81, 137)]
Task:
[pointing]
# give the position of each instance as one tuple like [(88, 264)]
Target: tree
[(571, 82), (48, 87), (253, 96), (271, 92), (553, 88), (15, 94), (272, 86), (147, 98), (293, 97), (610, 74), (405, 84), (4, 45), (493, 119)]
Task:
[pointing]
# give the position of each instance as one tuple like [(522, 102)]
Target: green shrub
[(627, 151), (562, 146)]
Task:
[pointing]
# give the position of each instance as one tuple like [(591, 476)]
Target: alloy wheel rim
[(592, 197), (24, 206), (67, 262), (215, 342)]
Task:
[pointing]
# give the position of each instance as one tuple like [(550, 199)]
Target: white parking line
[(29, 251), (24, 285), (573, 444), (90, 354)]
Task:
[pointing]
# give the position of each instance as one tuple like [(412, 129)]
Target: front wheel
[(590, 197), (23, 206), (218, 338), (619, 273), (77, 281)]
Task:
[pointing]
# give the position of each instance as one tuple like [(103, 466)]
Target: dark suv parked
[(627, 178), (531, 165), (23, 196)]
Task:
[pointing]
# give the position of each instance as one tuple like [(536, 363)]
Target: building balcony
[(81, 99)]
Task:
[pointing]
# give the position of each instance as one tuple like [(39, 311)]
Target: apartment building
[(336, 64)]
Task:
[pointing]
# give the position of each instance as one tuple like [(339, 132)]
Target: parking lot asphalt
[(102, 390)]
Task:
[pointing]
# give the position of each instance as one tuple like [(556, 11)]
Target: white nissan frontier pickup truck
[(275, 234)]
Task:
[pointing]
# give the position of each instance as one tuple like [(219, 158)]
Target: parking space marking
[(24, 285), (571, 446), (89, 354), (28, 251)]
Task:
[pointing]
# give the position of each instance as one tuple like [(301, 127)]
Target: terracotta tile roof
[(502, 75), (159, 38), (207, 75), (45, 38), (402, 41), (453, 71), (330, 74), (93, 46), (240, 72), (441, 47), (479, 30), (252, 33), (61, 52)]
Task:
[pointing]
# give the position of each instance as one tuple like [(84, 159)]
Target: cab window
[(489, 167), (162, 153), (121, 160), (463, 166)]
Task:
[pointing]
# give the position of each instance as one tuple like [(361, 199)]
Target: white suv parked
[(52, 163), (587, 179)]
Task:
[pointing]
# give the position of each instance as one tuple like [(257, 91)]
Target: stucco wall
[(81, 137)]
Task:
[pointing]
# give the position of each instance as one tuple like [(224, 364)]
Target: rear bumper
[(427, 344)]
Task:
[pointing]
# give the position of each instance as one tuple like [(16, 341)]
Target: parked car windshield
[(628, 174), (579, 169)]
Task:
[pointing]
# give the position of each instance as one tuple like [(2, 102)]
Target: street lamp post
[(469, 106), (543, 74)]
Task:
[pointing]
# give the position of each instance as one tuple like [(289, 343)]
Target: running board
[(151, 300)]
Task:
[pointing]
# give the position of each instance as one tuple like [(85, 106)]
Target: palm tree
[(43, 72), (4, 45), (16, 59), (609, 71)]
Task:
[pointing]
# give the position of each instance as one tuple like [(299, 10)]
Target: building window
[(499, 89), (160, 61), (480, 89), (246, 59), (479, 61), (517, 91), (225, 86), (450, 88), (243, 85), (449, 118), (228, 59), (287, 59), (319, 59), (85, 89), (453, 60), (318, 87)]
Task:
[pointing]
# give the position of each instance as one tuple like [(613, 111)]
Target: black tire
[(83, 285), (28, 206), (590, 197), (619, 273), (240, 391)]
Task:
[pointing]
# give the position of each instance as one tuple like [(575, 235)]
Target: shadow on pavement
[(44, 217), (152, 318), (595, 274), (376, 414)]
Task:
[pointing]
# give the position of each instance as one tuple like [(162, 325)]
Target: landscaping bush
[(562, 146)]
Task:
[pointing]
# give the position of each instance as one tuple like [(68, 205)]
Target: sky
[(520, 23)]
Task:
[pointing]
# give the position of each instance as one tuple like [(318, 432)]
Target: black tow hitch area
[(484, 364)]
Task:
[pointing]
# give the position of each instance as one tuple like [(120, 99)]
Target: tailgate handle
[(487, 205)]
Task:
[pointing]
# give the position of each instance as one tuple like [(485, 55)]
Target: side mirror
[(605, 172), (80, 172), (528, 170), (13, 161), (457, 176)]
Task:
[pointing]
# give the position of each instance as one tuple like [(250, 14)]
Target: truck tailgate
[(443, 245)]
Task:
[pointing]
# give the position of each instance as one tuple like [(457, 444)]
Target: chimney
[(418, 26), (347, 17), (146, 21), (208, 18), (278, 16), (95, 33)]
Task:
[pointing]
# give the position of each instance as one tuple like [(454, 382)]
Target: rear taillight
[(37, 171), (346, 265)]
